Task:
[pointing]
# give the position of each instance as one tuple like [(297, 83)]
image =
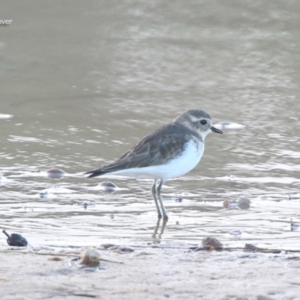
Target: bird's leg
[(164, 223), (154, 191), (165, 216), (163, 227), (156, 228)]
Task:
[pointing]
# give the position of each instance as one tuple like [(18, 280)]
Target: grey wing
[(155, 149)]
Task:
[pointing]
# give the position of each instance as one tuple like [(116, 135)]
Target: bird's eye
[(203, 122)]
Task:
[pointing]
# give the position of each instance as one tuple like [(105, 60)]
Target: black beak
[(216, 130)]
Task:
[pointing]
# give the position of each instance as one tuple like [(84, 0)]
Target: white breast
[(176, 167)]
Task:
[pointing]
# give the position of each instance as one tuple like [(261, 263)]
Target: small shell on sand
[(55, 173), (90, 257), (241, 203), (294, 226), (44, 194), (236, 233), (230, 204), (108, 186)]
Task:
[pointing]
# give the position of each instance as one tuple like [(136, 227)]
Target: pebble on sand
[(244, 203), (15, 239), (211, 243), (90, 257)]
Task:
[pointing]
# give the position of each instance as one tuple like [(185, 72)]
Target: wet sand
[(152, 273)]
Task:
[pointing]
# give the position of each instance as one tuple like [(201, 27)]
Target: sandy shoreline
[(153, 273)]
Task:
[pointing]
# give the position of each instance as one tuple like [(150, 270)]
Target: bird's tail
[(95, 173)]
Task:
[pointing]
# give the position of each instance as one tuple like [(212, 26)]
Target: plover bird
[(170, 151)]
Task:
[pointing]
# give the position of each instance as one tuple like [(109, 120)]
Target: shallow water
[(80, 88)]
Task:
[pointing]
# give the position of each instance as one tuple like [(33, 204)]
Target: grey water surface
[(83, 81)]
